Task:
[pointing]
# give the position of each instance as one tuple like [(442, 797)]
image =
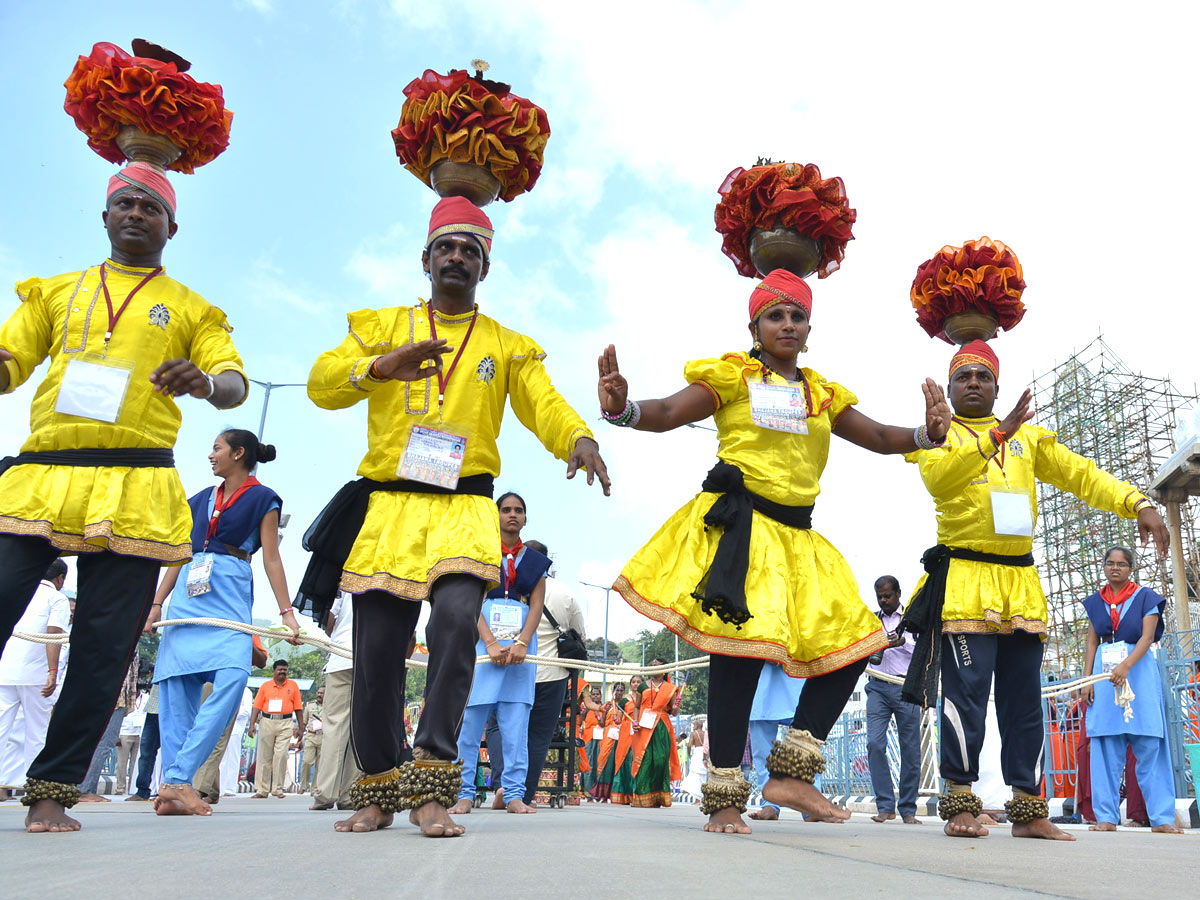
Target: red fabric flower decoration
[(110, 88), (467, 119), (784, 195), (982, 276)]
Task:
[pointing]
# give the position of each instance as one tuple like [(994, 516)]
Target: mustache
[(451, 267)]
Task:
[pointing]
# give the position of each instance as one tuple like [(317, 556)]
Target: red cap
[(781, 286), (458, 215), (976, 353), (140, 176)]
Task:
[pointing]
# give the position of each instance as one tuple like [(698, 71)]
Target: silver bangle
[(923, 440), (637, 414), (212, 386)]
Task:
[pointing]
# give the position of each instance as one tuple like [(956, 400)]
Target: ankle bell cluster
[(67, 795), (423, 780), (377, 790), (725, 788), (955, 802), (798, 755), (1024, 809)]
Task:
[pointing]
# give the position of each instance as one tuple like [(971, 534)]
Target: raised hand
[(1021, 413), (937, 411), (412, 362), (612, 388)]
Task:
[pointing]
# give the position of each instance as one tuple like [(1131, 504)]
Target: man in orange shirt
[(275, 702)]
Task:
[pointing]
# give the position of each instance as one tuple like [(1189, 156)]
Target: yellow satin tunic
[(806, 612), (985, 598), (408, 540), (134, 511)]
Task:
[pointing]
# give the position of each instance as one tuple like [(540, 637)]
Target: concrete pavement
[(278, 848)]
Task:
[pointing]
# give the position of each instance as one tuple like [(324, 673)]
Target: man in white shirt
[(551, 690), (338, 770), (29, 671)]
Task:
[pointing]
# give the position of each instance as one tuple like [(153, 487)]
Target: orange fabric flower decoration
[(110, 88), (467, 119), (982, 276), (784, 195)]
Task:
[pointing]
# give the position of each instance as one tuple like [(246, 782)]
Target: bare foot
[(726, 821), (498, 800), (988, 819), (463, 807), (766, 814), (803, 797), (369, 818), (882, 817), (434, 821), (1041, 828), (1166, 829), (520, 807), (912, 820), (46, 815), (92, 798), (1103, 826), (259, 797), (180, 800), (965, 825)]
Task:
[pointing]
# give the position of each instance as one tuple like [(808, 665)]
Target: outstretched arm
[(853, 426), (693, 404)]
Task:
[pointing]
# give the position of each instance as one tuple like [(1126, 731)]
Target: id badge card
[(94, 387), (1012, 513), (1112, 655), (275, 705), (779, 407), (504, 620), (433, 455), (614, 733), (199, 576), (649, 719), (597, 734)]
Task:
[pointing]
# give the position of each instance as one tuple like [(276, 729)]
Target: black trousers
[(548, 698), (383, 625), (732, 681), (113, 602), (147, 752), (968, 663)]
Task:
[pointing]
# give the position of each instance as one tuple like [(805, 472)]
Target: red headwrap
[(781, 286), (140, 176), (976, 353), (458, 215)]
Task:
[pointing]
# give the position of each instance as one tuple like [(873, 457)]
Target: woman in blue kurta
[(507, 632), (230, 523), (1124, 619)]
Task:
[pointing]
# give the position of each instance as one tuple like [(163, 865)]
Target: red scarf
[(220, 505), (1114, 601), (510, 559)]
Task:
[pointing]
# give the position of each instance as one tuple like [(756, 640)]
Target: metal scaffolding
[(1125, 423)]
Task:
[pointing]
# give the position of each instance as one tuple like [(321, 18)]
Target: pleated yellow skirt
[(806, 612), (984, 598)]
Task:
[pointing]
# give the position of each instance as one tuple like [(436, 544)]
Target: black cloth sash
[(923, 617), (133, 457), (722, 589), (332, 535)]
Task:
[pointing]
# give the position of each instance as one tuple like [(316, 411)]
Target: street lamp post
[(269, 386), (607, 591)]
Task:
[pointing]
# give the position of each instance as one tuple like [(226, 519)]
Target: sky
[(1063, 130)]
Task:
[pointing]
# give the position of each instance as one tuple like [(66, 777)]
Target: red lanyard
[(443, 380), (510, 558), (113, 318), (219, 507), (975, 435)]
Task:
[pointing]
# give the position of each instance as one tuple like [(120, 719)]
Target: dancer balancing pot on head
[(738, 571), (230, 523), (1124, 619), (981, 588)]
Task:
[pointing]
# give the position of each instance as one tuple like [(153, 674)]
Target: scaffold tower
[(1125, 422)]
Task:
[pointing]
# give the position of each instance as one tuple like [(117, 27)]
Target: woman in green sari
[(655, 762)]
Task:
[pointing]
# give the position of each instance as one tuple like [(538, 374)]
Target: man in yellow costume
[(982, 590), (420, 523), (96, 477)]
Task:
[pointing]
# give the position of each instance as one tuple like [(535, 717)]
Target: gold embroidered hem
[(993, 624), (650, 801), (755, 649), (96, 539), (407, 589)]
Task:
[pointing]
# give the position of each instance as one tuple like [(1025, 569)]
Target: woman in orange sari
[(605, 760), (655, 762), (589, 705)]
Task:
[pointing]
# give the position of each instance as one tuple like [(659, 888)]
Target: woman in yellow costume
[(738, 571)]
